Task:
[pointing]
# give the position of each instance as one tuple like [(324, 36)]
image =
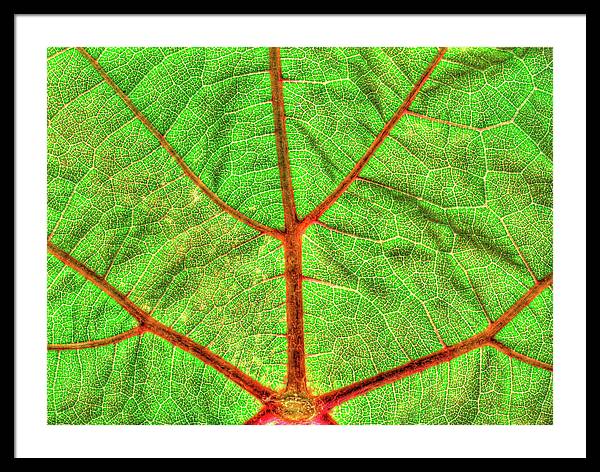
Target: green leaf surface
[(421, 208)]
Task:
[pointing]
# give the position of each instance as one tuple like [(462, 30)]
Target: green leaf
[(304, 235)]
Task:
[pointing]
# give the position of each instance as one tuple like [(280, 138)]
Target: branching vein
[(182, 164), (150, 324)]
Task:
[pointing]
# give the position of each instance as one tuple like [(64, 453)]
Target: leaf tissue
[(299, 235)]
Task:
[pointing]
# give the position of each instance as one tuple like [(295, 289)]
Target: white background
[(565, 438)]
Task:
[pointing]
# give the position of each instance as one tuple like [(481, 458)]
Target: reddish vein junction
[(295, 404)]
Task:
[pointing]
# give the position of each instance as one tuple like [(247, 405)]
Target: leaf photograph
[(287, 235)]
